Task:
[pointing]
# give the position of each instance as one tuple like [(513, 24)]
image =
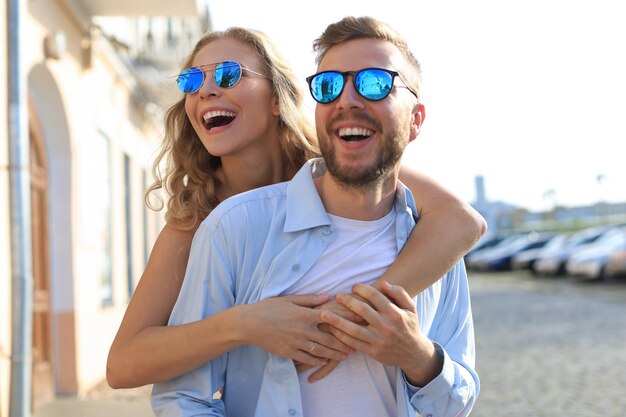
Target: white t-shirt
[(359, 386)]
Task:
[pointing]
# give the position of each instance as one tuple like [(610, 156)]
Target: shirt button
[(295, 267), (326, 231), (419, 396), (292, 412), (429, 415)]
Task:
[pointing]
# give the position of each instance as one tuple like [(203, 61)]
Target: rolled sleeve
[(444, 395)]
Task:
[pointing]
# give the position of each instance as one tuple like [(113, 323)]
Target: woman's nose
[(209, 87)]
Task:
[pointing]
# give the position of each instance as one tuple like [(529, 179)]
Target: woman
[(243, 106)]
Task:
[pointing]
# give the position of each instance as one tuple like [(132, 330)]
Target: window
[(96, 210), (144, 212), (129, 226)]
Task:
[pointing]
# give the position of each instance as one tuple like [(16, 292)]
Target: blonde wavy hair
[(365, 27), (189, 175)]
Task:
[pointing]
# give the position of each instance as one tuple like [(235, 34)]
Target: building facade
[(93, 131)]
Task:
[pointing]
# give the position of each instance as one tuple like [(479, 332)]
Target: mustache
[(354, 116)]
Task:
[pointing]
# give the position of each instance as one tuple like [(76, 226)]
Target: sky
[(530, 94)]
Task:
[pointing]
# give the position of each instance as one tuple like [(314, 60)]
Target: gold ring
[(313, 348)]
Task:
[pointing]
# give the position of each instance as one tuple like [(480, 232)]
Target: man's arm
[(440, 377), (453, 333), (206, 291)]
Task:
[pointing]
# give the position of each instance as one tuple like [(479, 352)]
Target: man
[(336, 226)]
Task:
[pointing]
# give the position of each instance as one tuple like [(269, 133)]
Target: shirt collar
[(305, 209), (404, 200)]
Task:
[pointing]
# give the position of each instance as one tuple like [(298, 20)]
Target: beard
[(389, 152)]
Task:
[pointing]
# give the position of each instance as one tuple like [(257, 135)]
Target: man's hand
[(333, 306), (391, 333)]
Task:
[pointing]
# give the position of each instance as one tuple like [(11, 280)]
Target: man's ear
[(419, 114)]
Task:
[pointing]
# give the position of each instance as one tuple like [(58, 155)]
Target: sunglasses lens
[(373, 84), (227, 74), (326, 86), (190, 80)]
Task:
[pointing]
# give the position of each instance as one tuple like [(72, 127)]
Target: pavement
[(549, 346), (102, 401)]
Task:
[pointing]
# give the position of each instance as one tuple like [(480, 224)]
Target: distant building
[(94, 106), (491, 211), (481, 196), (505, 218)]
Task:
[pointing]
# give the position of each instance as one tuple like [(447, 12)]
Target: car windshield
[(556, 242), (585, 236), (612, 239)]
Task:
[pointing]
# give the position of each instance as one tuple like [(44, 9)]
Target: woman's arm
[(137, 341), (146, 350), (447, 230)]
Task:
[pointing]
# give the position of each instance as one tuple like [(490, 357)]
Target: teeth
[(355, 131), (217, 113)]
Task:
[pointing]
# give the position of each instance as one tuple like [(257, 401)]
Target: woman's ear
[(275, 105)]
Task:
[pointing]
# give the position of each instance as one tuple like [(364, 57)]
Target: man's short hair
[(365, 27)]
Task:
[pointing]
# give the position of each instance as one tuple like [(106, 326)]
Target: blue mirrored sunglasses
[(371, 83), (225, 74)]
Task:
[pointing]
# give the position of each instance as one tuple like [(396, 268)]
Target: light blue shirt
[(256, 245)]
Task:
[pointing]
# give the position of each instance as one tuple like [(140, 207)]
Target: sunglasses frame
[(354, 74), (216, 66)]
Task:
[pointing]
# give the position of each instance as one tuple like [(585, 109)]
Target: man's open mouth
[(352, 134)]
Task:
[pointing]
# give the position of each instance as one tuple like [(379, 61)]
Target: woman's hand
[(342, 311), (288, 326)]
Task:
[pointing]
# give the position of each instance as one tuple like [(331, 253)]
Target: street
[(549, 347), (546, 347)]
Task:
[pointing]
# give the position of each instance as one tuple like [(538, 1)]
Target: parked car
[(499, 257), (616, 264), (525, 260), (590, 261), (552, 261), (475, 254), (486, 242)]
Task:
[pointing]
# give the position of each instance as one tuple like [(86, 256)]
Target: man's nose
[(350, 97)]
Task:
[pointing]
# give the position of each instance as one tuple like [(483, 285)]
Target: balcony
[(138, 7)]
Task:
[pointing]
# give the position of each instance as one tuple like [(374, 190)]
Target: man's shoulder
[(405, 200), (253, 201)]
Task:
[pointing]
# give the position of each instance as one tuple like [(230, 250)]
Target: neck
[(359, 203), (237, 175)]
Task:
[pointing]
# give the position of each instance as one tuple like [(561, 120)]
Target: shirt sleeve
[(206, 290), (453, 392)]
